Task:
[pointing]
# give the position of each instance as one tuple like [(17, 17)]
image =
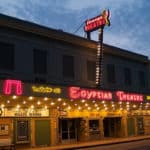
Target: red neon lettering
[(129, 96), (97, 22), (11, 86), (78, 93), (74, 92)]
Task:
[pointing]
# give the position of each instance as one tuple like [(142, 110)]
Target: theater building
[(48, 94)]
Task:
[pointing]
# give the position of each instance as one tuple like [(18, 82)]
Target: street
[(138, 145)]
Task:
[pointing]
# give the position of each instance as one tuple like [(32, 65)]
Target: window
[(127, 76), (6, 56), (142, 79), (111, 75), (91, 70), (40, 61), (68, 67)]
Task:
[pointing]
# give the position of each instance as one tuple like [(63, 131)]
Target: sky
[(130, 19)]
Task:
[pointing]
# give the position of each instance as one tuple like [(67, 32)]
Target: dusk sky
[(130, 19)]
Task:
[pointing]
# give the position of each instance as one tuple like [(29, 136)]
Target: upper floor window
[(91, 70), (6, 56), (127, 76), (111, 74), (142, 78), (40, 61), (68, 67)]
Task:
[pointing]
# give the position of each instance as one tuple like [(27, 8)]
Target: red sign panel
[(97, 22), (79, 93), (12, 87)]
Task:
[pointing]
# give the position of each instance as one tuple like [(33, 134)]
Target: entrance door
[(131, 126), (112, 127), (42, 132), (68, 130)]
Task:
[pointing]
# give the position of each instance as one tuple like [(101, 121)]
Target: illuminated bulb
[(120, 103), (45, 98), (113, 105), (95, 105), (93, 101), (86, 104), (134, 106), (103, 102), (79, 108), (89, 108), (58, 107), (97, 108), (24, 102), (64, 104), (83, 101), (38, 102), (45, 107), (71, 100), (128, 103), (52, 103), (8, 101), (32, 106), (59, 99), (30, 98), (75, 104), (18, 106), (121, 108), (69, 107), (14, 97), (2, 106), (106, 108), (128, 106)]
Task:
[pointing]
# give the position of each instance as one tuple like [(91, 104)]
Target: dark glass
[(111, 74), (40, 61), (68, 67), (91, 70), (6, 56), (127, 76)]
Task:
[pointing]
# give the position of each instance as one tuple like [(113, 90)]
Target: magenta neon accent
[(12, 87)]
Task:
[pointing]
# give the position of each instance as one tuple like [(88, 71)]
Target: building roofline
[(33, 28)]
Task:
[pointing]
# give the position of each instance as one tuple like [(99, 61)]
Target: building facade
[(48, 88)]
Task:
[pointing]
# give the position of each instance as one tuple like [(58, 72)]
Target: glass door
[(68, 130)]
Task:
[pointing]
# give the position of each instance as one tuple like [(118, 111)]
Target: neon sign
[(42, 89), (12, 86), (122, 96), (79, 93), (97, 22)]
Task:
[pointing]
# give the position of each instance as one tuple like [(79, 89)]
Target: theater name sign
[(17, 87)]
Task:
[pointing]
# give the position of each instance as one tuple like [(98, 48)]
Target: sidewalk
[(89, 143)]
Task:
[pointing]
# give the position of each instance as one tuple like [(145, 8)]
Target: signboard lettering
[(79, 93), (12, 86)]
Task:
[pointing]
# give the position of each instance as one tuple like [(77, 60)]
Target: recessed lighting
[(24, 102), (64, 104), (38, 102), (45, 98), (83, 101), (52, 103), (59, 99), (14, 97), (8, 101), (30, 97)]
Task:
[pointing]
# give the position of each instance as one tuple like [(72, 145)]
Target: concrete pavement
[(89, 143)]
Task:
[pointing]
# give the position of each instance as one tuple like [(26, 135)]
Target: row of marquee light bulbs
[(60, 103)]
